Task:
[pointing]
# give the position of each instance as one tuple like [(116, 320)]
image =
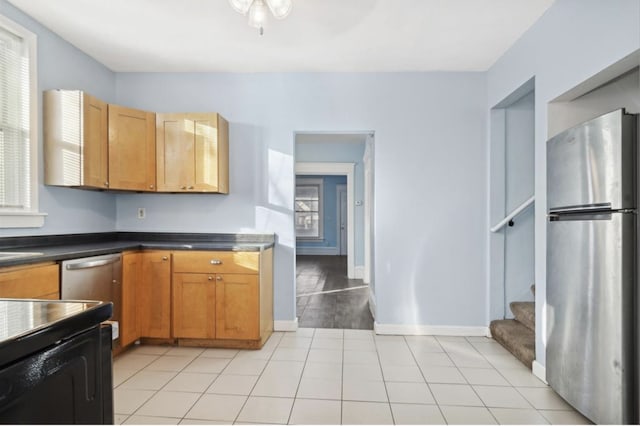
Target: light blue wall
[(337, 152), (329, 210), (430, 173), (61, 65), (572, 41)]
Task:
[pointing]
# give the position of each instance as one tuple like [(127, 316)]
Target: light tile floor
[(334, 376)]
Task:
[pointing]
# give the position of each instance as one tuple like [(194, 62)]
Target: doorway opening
[(334, 232)]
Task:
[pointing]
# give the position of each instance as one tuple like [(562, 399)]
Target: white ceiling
[(318, 35)]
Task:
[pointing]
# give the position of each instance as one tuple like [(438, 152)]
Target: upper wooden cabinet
[(132, 149), (75, 139), (91, 144), (40, 281), (192, 152)]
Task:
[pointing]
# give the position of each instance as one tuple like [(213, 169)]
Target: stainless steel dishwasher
[(95, 278)]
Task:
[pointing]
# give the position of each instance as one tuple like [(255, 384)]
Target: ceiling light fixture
[(257, 10)]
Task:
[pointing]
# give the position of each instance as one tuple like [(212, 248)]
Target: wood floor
[(326, 298)]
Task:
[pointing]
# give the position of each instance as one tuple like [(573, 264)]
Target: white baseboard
[(429, 330), (372, 304), (359, 272), (285, 325), (317, 251), (539, 370)]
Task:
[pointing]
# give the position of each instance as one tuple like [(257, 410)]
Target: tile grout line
[(259, 376), (425, 379), (304, 366), (496, 369), (384, 382)]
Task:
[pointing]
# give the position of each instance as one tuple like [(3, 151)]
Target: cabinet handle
[(165, 258), (151, 186), (190, 187), (216, 262), (106, 184), (183, 187), (219, 277), (210, 278)]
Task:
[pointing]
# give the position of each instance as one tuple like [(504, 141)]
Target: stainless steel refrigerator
[(591, 267)]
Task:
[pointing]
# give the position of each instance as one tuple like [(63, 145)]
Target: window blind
[(15, 173)]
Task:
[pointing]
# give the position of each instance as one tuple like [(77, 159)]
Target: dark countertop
[(72, 246), (29, 325)]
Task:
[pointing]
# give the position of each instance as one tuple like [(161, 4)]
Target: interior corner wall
[(571, 42), (61, 65)]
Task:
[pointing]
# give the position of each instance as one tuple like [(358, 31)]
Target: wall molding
[(539, 370), (429, 330), (358, 272), (285, 325), (317, 251)]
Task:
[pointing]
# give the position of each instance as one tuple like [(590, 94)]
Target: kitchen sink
[(6, 255)]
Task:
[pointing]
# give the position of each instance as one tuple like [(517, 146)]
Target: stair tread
[(525, 312), (516, 338)]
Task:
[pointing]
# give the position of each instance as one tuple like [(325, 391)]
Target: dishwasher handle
[(92, 263)]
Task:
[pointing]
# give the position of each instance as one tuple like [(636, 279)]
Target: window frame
[(320, 184), (31, 217)]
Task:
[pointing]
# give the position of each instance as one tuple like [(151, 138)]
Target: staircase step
[(525, 313), (516, 338)]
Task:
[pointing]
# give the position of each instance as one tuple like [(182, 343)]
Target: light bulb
[(280, 8), (257, 14), (241, 6)]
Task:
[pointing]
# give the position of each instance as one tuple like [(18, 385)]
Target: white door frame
[(346, 169), (340, 189)]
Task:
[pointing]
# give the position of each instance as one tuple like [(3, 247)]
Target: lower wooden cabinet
[(188, 297), (39, 281), (237, 306), (194, 306), (131, 280), (154, 295)]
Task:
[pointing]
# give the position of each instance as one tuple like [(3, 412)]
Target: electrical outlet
[(142, 213)]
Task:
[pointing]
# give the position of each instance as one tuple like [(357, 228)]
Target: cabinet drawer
[(30, 282), (216, 262)]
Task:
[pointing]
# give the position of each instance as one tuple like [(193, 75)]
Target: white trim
[(359, 272), (367, 161), (372, 304), (22, 220), (340, 188), (429, 330), (28, 218), (285, 325), (539, 370), (317, 251), (338, 169), (320, 184)]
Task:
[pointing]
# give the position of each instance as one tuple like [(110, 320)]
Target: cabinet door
[(131, 279), (237, 306), (194, 305), (192, 152), (132, 149), (95, 151), (175, 152), (211, 153), (154, 295), (30, 282)]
